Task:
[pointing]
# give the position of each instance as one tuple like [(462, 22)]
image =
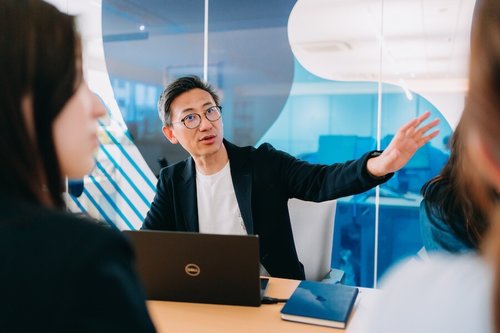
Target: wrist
[(373, 165)]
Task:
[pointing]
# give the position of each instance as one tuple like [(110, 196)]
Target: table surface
[(197, 317)]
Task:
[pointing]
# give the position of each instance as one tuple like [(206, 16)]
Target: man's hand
[(408, 139)]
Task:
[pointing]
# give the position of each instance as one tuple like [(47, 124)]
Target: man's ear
[(169, 134)]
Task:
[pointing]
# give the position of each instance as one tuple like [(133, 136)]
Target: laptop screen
[(194, 267)]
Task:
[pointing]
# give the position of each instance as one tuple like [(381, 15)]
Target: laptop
[(201, 268)]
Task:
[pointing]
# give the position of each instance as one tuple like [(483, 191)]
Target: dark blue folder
[(320, 304)]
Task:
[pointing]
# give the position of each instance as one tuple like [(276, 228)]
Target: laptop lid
[(194, 267)]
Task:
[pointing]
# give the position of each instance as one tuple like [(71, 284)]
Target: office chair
[(312, 226)]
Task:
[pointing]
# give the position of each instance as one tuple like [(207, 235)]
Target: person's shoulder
[(88, 242), (266, 146), (437, 280), (176, 168), (436, 268), (263, 147), (69, 230), (268, 152), (267, 149), (264, 154), (444, 293), (79, 227), (24, 214)]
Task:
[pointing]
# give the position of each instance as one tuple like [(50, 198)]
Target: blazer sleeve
[(106, 295), (318, 182), (159, 215)]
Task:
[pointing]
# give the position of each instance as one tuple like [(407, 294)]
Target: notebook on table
[(202, 268), (320, 304)]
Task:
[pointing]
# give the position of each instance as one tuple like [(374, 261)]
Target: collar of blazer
[(241, 172)]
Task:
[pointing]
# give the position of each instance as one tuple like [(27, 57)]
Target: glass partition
[(325, 81)]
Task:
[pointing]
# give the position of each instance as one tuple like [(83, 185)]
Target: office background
[(324, 80)]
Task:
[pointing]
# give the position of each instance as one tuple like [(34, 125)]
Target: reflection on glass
[(304, 77)]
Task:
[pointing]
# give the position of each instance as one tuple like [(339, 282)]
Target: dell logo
[(192, 269)]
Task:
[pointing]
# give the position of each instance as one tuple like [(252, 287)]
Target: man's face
[(206, 139)]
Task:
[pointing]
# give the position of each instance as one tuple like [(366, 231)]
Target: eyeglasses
[(193, 120)]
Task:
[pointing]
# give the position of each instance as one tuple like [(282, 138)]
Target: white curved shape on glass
[(421, 46)]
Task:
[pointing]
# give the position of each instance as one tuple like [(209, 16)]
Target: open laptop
[(202, 268)]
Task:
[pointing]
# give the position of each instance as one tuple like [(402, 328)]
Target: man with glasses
[(226, 189)]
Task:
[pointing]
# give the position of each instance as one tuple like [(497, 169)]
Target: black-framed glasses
[(193, 120)]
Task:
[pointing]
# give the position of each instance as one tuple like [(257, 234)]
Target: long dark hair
[(446, 200), (482, 115), (40, 63)]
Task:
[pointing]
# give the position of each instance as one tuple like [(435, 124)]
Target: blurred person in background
[(450, 218), (58, 272), (459, 293)]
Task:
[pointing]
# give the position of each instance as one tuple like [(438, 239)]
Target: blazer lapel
[(241, 173), (187, 190)]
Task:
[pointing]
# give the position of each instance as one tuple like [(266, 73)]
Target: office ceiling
[(419, 40)]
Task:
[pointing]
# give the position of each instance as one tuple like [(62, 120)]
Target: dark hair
[(482, 114), (445, 198), (482, 108), (483, 102), (178, 87), (41, 67)]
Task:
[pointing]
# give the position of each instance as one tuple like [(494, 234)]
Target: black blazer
[(264, 179), (61, 273)]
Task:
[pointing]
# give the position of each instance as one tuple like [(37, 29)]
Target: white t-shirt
[(435, 295), (218, 211)]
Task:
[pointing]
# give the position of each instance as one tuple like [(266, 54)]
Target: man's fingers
[(409, 127), (422, 117), (427, 127), (423, 140)]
